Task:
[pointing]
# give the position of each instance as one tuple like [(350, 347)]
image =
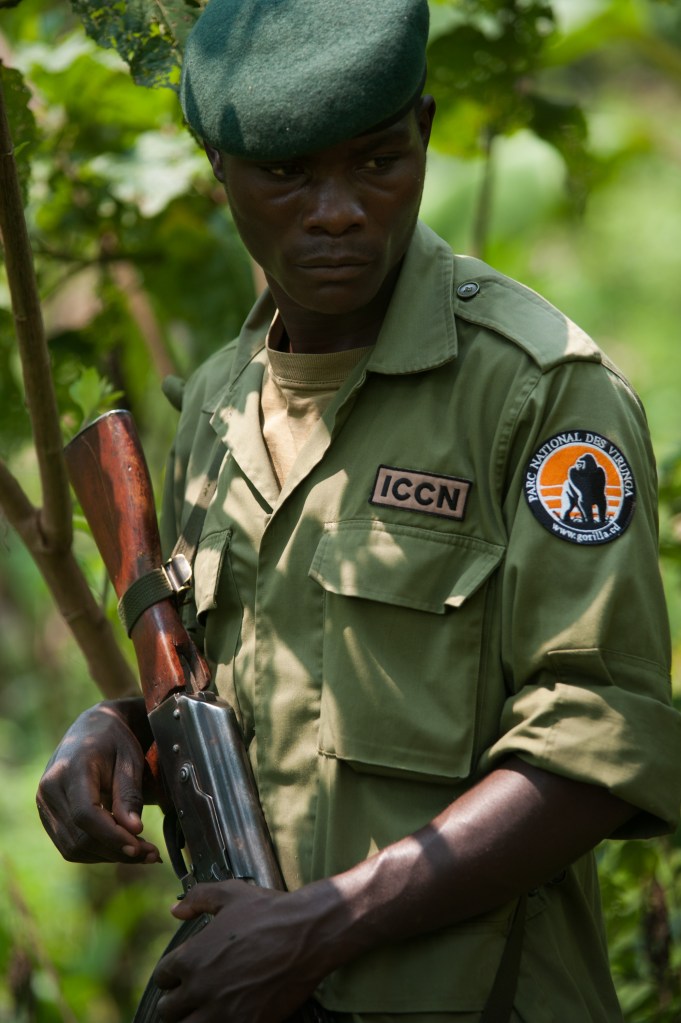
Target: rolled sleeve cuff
[(602, 735)]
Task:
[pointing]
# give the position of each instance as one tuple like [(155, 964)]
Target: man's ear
[(425, 114), (215, 159)]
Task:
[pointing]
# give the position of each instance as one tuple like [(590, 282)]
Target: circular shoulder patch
[(581, 488)]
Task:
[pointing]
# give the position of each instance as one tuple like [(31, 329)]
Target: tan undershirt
[(296, 390)]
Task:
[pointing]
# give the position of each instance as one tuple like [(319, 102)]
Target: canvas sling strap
[(499, 1004), (174, 578)]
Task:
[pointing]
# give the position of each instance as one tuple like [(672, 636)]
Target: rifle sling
[(147, 590), (499, 1004)]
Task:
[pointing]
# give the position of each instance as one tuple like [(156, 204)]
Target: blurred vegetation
[(556, 158)]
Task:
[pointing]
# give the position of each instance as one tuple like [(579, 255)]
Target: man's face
[(330, 227)]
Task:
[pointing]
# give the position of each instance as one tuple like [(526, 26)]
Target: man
[(450, 695)]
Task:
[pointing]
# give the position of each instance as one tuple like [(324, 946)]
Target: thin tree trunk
[(483, 209), (47, 532)]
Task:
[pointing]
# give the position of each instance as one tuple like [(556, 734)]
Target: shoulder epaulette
[(208, 378), (490, 299)]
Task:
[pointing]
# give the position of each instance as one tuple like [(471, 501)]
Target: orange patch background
[(554, 473)]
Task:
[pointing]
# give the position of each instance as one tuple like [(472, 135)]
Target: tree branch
[(55, 516), (127, 280), (89, 625), (13, 500), (40, 248)]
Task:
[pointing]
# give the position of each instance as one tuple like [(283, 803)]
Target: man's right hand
[(90, 796)]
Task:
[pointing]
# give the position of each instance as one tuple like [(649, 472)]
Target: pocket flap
[(403, 565), (207, 568)]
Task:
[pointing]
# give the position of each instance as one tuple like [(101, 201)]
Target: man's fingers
[(98, 834), (122, 824), (204, 898), (165, 975), (126, 796), (90, 834), (92, 813), (175, 1005), (170, 973)]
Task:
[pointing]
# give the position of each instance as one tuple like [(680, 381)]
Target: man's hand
[(90, 796), (256, 962)]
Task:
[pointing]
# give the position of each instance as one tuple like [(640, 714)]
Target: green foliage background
[(556, 157)]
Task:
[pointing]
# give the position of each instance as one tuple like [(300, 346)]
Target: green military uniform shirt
[(461, 566)]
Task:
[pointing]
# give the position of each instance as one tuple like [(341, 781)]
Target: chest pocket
[(404, 615)]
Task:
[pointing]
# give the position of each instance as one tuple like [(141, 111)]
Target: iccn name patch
[(421, 491), (579, 485)]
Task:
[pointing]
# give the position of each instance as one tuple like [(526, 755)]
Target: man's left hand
[(254, 963)]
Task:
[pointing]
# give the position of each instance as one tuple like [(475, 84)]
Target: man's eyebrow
[(394, 134)]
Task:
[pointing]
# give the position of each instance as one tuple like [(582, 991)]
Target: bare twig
[(40, 248), (483, 209)]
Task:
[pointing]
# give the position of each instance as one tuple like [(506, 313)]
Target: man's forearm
[(515, 830)]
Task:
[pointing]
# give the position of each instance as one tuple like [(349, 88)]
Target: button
[(468, 290)]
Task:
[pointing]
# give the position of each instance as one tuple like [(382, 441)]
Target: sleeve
[(585, 634)]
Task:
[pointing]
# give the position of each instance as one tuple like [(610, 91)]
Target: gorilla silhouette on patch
[(583, 489)]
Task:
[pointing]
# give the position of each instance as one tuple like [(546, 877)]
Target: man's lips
[(338, 272), (332, 264), (333, 260)]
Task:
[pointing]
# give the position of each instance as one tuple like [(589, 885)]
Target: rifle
[(198, 758)]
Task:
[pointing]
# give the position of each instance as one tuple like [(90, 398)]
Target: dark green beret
[(271, 79)]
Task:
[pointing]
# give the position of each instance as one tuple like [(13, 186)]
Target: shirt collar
[(418, 332)]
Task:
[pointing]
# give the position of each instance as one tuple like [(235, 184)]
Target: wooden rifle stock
[(199, 760), (109, 475)]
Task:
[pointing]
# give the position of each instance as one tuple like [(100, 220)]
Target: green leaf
[(148, 34), (179, 17), (563, 125), (619, 19), (92, 393), (157, 169), (482, 69)]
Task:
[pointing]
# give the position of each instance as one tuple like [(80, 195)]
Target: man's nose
[(333, 207)]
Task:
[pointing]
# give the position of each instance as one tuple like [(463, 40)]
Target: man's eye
[(380, 162), (283, 170)]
